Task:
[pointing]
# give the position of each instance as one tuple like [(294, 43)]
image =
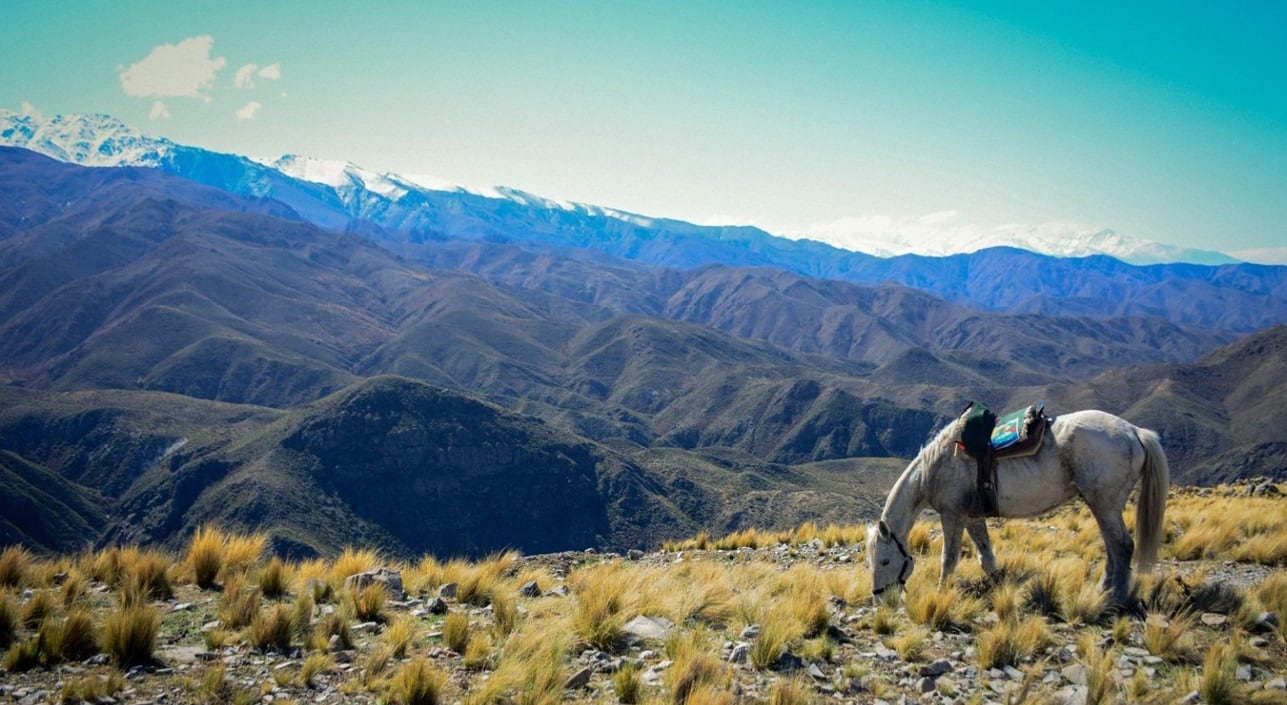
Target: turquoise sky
[(1167, 120)]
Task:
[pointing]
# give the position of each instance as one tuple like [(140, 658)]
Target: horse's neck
[(904, 502)]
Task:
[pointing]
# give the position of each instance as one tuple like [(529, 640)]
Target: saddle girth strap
[(986, 484)]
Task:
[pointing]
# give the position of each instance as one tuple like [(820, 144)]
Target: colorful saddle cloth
[(1019, 433)]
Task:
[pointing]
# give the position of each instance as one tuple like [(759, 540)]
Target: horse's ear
[(883, 528)]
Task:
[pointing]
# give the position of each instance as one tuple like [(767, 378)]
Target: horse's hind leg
[(1118, 546), (978, 528)]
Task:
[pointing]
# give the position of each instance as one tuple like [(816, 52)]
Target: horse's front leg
[(978, 528), (951, 545)]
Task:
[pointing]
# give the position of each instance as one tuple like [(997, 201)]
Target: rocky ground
[(860, 667)]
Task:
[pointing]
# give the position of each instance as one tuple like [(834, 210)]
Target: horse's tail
[(1154, 485)]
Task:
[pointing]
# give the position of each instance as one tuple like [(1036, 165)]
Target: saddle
[(988, 440)]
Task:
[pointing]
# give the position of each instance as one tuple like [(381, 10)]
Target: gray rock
[(788, 662), (436, 606), (642, 627), (1072, 695), (447, 591), (389, 578), (1276, 684), (1075, 673), (1267, 622), (530, 589), (926, 685), (741, 653), (580, 679), (816, 673), (936, 669)]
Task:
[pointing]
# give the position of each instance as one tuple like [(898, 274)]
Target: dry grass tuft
[(239, 604), (368, 603), (271, 630), (598, 619), (15, 562), (627, 684), (455, 632), (244, 551), (352, 561), (693, 671), (399, 635), (79, 637), (129, 634), (274, 579), (8, 620), (790, 691), (1099, 667), (313, 666), (1011, 641), (1170, 640), (417, 682), (91, 688), (206, 556), (1219, 684)]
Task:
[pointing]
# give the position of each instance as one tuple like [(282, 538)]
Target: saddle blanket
[(1017, 429)]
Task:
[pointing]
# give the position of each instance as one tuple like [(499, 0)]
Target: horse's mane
[(941, 443)]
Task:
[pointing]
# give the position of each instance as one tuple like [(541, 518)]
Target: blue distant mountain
[(406, 212)]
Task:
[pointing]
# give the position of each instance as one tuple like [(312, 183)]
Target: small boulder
[(389, 578)]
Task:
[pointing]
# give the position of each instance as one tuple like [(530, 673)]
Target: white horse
[(1093, 454)]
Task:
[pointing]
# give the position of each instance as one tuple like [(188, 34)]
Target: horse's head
[(888, 558)]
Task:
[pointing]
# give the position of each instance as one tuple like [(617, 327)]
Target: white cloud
[(245, 76), (271, 72), (183, 70), (1267, 255), (158, 111), (248, 110)]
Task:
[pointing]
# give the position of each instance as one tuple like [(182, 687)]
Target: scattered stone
[(926, 685), (580, 679), (750, 632), (816, 673), (389, 578), (447, 591), (436, 606), (936, 669), (1072, 695), (530, 589), (634, 554), (1075, 674), (788, 663), (1243, 673), (1276, 684), (643, 627), (741, 653), (1212, 619), (1266, 622)]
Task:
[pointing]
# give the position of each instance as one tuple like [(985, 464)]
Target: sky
[(1161, 120)]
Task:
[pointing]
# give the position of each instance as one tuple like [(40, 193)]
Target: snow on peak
[(88, 140), (943, 234)]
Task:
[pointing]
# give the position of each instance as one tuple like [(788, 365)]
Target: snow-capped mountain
[(441, 209), (88, 140)]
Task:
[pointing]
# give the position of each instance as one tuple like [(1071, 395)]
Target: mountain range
[(405, 212), (176, 352)]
